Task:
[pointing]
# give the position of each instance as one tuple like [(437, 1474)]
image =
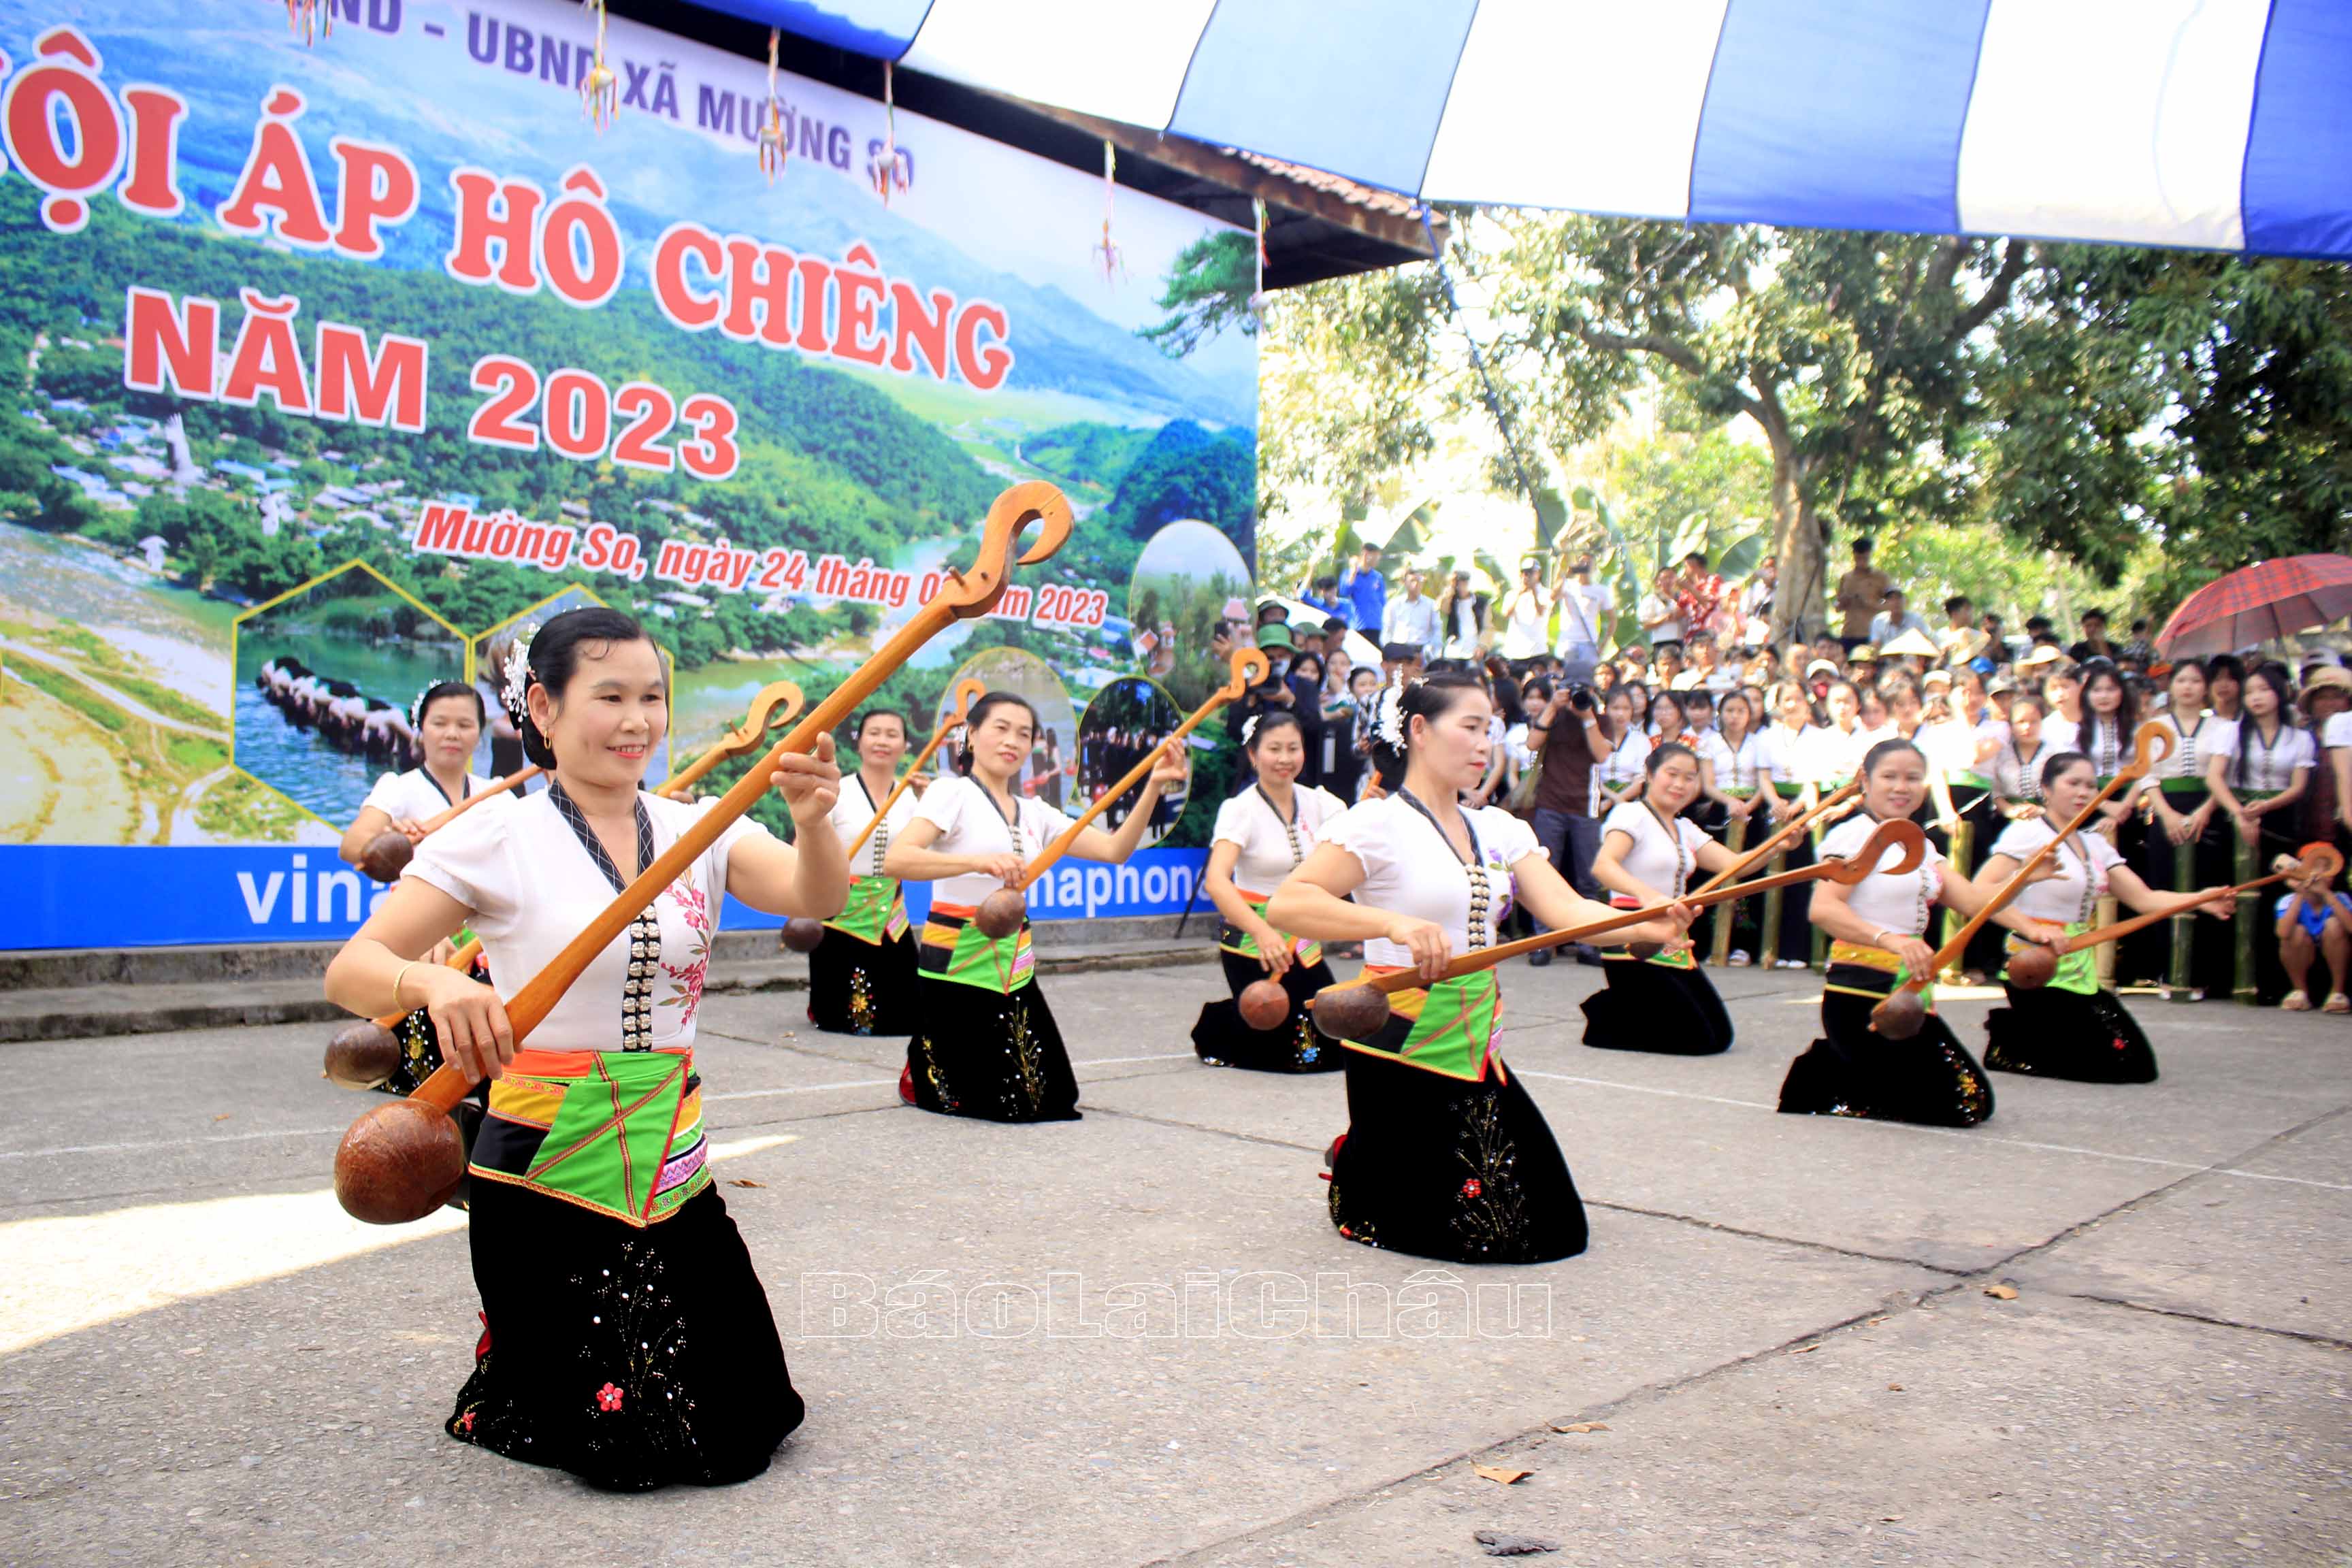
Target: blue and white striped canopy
[(2220, 124)]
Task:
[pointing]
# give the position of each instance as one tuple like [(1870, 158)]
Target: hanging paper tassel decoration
[(885, 169), (775, 141), (309, 20), (1108, 253), (600, 89)]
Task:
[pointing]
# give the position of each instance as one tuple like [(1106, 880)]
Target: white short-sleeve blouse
[(416, 795), (1409, 869), (1249, 822), (1653, 859), (853, 808), (1892, 901), (2068, 896), (971, 821), (533, 882)]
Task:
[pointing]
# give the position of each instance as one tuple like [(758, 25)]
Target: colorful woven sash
[(2077, 971), (1679, 959), (953, 949), (1231, 939), (1855, 955), (874, 914), (619, 1132), (1453, 1024)]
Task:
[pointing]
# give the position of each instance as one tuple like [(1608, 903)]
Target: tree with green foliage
[(2206, 400), (2087, 401), (1210, 288), (1855, 354), (1350, 387)]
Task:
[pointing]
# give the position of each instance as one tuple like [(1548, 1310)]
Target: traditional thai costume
[(1741, 772), (1445, 1155), (1788, 758), (1853, 1070), (2070, 1027), (2188, 949), (628, 1339), (1272, 847), (862, 971), (2258, 770), (1663, 1003), (985, 1043)]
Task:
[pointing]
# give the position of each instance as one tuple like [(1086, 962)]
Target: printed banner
[(343, 359)]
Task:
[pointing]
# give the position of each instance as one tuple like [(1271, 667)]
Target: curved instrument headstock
[(1904, 836), (973, 593)]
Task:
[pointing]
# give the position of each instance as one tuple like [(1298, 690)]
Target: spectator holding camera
[(1566, 736)]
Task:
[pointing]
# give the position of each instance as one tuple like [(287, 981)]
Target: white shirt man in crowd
[(1585, 607), (1412, 618)]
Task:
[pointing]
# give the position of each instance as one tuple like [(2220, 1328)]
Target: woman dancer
[(447, 719), (1262, 836), (2071, 1027), (629, 1340), (985, 1042), (1445, 1155), (1648, 850), (1876, 926), (2186, 843), (862, 971)]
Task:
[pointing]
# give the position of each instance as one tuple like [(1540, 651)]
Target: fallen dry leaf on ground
[(1501, 1473), (1584, 1427), (1499, 1544), (2001, 1292), (744, 1182)]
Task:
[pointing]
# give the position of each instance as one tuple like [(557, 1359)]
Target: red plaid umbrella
[(2260, 603)]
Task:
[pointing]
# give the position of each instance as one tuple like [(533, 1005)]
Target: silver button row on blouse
[(636, 1000)]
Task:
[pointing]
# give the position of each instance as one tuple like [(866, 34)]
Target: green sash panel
[(624, 1139), (1233, 940), (2077, 971), (955, 950), (874, 914), (1448, 1027)]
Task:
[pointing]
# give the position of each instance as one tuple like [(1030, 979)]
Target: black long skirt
[(633, 1358), (1985, 954), (1851, 1071), (863, 987), (1651, 1007), (1442, 1167), (983, 1054), (2051, 1033), (1794, 939), (2212, 961), (1220, 1038)]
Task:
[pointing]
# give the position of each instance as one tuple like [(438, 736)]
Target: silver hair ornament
[(1388, 719), (517, 685)]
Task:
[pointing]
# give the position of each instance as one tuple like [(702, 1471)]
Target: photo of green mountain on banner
[(768, 503)]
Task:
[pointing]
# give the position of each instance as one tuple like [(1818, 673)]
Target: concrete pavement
[(1136, 1339)]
